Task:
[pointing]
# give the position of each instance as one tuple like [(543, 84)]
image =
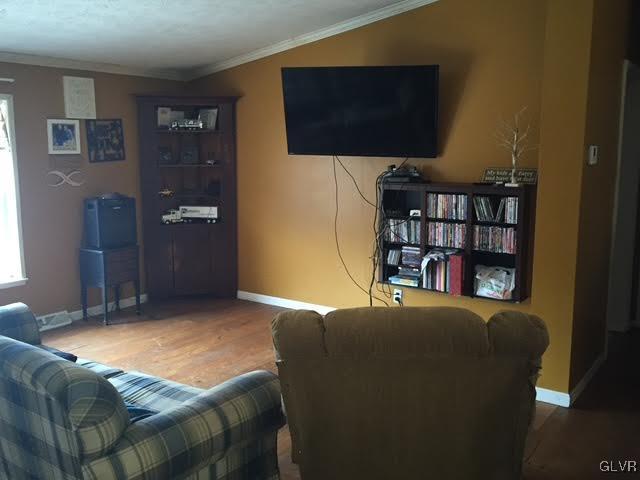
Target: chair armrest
[(179, 441), (17, 322)]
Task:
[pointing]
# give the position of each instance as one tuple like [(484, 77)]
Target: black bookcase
[(400, 198)]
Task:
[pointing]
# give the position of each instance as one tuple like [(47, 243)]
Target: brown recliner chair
[(408, 393)]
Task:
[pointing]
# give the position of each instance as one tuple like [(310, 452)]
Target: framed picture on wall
[(63, 136), (105, 140)]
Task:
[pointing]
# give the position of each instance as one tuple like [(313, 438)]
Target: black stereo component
[(109, 221)]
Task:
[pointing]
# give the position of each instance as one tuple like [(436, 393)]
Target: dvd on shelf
[(494, 239), (507, 210), (447, 206), (451, 235), (409, 271), (402, 230)]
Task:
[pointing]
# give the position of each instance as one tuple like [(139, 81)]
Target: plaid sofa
[(65, 420)]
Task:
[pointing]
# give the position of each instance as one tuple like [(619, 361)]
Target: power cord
[(335, 231), (380, 228)]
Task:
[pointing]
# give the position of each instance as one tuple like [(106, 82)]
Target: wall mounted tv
[(362, 111)]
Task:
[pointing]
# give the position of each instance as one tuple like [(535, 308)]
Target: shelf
[(401, 244), (495, 224), (509, 300), (401, 217), (190, 195), (186, 165), (386, 282), (429, 247), (401, 198), (187, 132), (488, 252), (445, 220)]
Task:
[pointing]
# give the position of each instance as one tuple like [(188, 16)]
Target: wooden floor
[(204, 342)]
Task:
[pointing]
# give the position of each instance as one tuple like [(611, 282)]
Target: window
[(11, 257)]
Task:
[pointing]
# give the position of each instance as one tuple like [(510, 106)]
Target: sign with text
[(527, 176)]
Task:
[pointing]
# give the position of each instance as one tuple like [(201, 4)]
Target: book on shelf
[(451, 235), (447, 206), (494, 239), (443, 271), (402, 230), (507, 210)]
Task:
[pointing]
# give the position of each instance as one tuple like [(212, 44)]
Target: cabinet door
[(192, 260), (158, 262), (223, 261)]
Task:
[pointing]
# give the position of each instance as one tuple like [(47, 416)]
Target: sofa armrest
[(17, 322), (173, 443)]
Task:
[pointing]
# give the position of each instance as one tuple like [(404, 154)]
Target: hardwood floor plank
[(205, 342)]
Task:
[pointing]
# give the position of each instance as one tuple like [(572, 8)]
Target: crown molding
[(336, 29), (193, 74), (66, 63)]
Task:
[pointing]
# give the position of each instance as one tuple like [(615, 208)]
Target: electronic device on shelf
[(109, 221), (402, 174), (189, 214)]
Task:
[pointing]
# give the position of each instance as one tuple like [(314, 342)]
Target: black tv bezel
[(436, 110)]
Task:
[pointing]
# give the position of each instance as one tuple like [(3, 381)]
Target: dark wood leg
[(136, 285), (105, 300), (117, 293), (83, 295)]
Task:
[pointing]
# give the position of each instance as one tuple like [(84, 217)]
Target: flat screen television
[(362, 111)]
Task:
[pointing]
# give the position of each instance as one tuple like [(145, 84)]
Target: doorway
[(623, 308)]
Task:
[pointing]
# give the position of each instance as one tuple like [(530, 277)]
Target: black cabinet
[(188, 258), (105, 268)]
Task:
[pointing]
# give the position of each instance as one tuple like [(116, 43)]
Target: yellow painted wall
[(496, 56), (608, 51), (491, 57)]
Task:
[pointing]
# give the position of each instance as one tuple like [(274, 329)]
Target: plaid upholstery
[(102, 370), (152, 392), (17, 322), (65, 420), (183, 439), (53, 410)]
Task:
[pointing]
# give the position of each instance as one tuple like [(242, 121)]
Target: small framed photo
[(105, 140), (64, 137)]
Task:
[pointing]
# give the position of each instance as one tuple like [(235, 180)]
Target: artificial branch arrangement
[(513, 137)]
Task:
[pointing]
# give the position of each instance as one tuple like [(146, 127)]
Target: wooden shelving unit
[(400, 198), (189, 258)]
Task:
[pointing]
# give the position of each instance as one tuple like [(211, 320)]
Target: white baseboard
[(582, 384), (283, 302), (98, 309), (554, 398), (542, 394)]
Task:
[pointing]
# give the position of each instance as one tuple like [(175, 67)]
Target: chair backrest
[(408, 393), (54, 414)]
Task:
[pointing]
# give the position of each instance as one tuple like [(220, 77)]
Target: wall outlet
[(397, 296)]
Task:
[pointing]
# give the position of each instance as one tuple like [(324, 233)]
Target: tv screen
[(362, 111)]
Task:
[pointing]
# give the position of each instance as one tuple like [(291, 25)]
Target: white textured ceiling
[(183, 36)]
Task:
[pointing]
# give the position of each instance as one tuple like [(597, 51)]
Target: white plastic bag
[(495, 282)]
